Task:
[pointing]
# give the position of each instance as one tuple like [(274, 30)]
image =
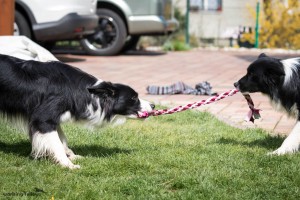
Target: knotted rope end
[(253, 112)]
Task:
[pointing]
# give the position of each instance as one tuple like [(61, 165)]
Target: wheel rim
[(105, 34)]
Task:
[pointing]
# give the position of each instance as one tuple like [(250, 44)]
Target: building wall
[(220, 24)]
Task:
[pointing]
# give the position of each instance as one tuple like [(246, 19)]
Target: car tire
[(21, 26), (109, 37), (131, 43), (49, 45)]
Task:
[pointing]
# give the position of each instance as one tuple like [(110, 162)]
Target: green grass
[(189, 155)]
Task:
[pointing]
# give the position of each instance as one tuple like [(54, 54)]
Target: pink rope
[(252, 114)]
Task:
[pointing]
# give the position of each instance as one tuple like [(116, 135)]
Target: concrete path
[(220, 68)]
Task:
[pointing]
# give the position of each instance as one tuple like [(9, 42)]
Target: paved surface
[(220, 68)]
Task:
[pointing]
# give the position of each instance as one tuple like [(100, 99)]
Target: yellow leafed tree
[(279, 24)]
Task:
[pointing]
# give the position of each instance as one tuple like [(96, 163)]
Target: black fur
[(267, 75), (42, 92), (47, 93), (280, 81), (116, 99)]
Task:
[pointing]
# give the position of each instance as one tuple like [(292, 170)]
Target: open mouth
[(136, 115), (245, 93), (132, 116)]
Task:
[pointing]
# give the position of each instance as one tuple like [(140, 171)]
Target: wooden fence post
[(7, 17)]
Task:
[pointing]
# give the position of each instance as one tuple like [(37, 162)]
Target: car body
[(146, 17), (44, 21), (122, 22)]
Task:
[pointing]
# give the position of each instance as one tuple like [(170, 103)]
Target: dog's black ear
[(105, 89), (262, 55)]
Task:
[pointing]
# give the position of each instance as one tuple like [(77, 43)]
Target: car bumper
[(71, 26), (150, 25)]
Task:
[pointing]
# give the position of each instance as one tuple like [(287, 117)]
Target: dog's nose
[(152, 106), (236, 84)]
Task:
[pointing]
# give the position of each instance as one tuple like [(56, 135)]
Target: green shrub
[(176, 46), (279, 25)]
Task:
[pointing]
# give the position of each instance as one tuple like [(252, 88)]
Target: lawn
[(189, 155)]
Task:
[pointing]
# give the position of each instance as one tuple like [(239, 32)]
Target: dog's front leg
[(49, 144), (70, 154), (291, 143)]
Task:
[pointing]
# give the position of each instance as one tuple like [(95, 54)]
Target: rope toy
[(252, 114)]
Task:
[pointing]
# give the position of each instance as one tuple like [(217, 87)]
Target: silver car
[(122, 22), (49, 21)]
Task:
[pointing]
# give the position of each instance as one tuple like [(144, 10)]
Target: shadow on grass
[(98, 151), (21, 149), (269, 142)]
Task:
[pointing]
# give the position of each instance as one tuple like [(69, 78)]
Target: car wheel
[(109, 37), (49, 45), (131, 42), (21, 26)]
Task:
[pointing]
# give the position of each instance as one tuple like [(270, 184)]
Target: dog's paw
[(70, 166), (67, 163), (74, 157), (284, 151), (74, 167)]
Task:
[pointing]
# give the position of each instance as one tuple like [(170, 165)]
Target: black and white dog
[(280, 81), (48, 93)]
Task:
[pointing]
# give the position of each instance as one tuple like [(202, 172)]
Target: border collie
[(280, 81), (48, 93)]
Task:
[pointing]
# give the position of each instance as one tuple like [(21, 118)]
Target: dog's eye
[(251, 75)]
